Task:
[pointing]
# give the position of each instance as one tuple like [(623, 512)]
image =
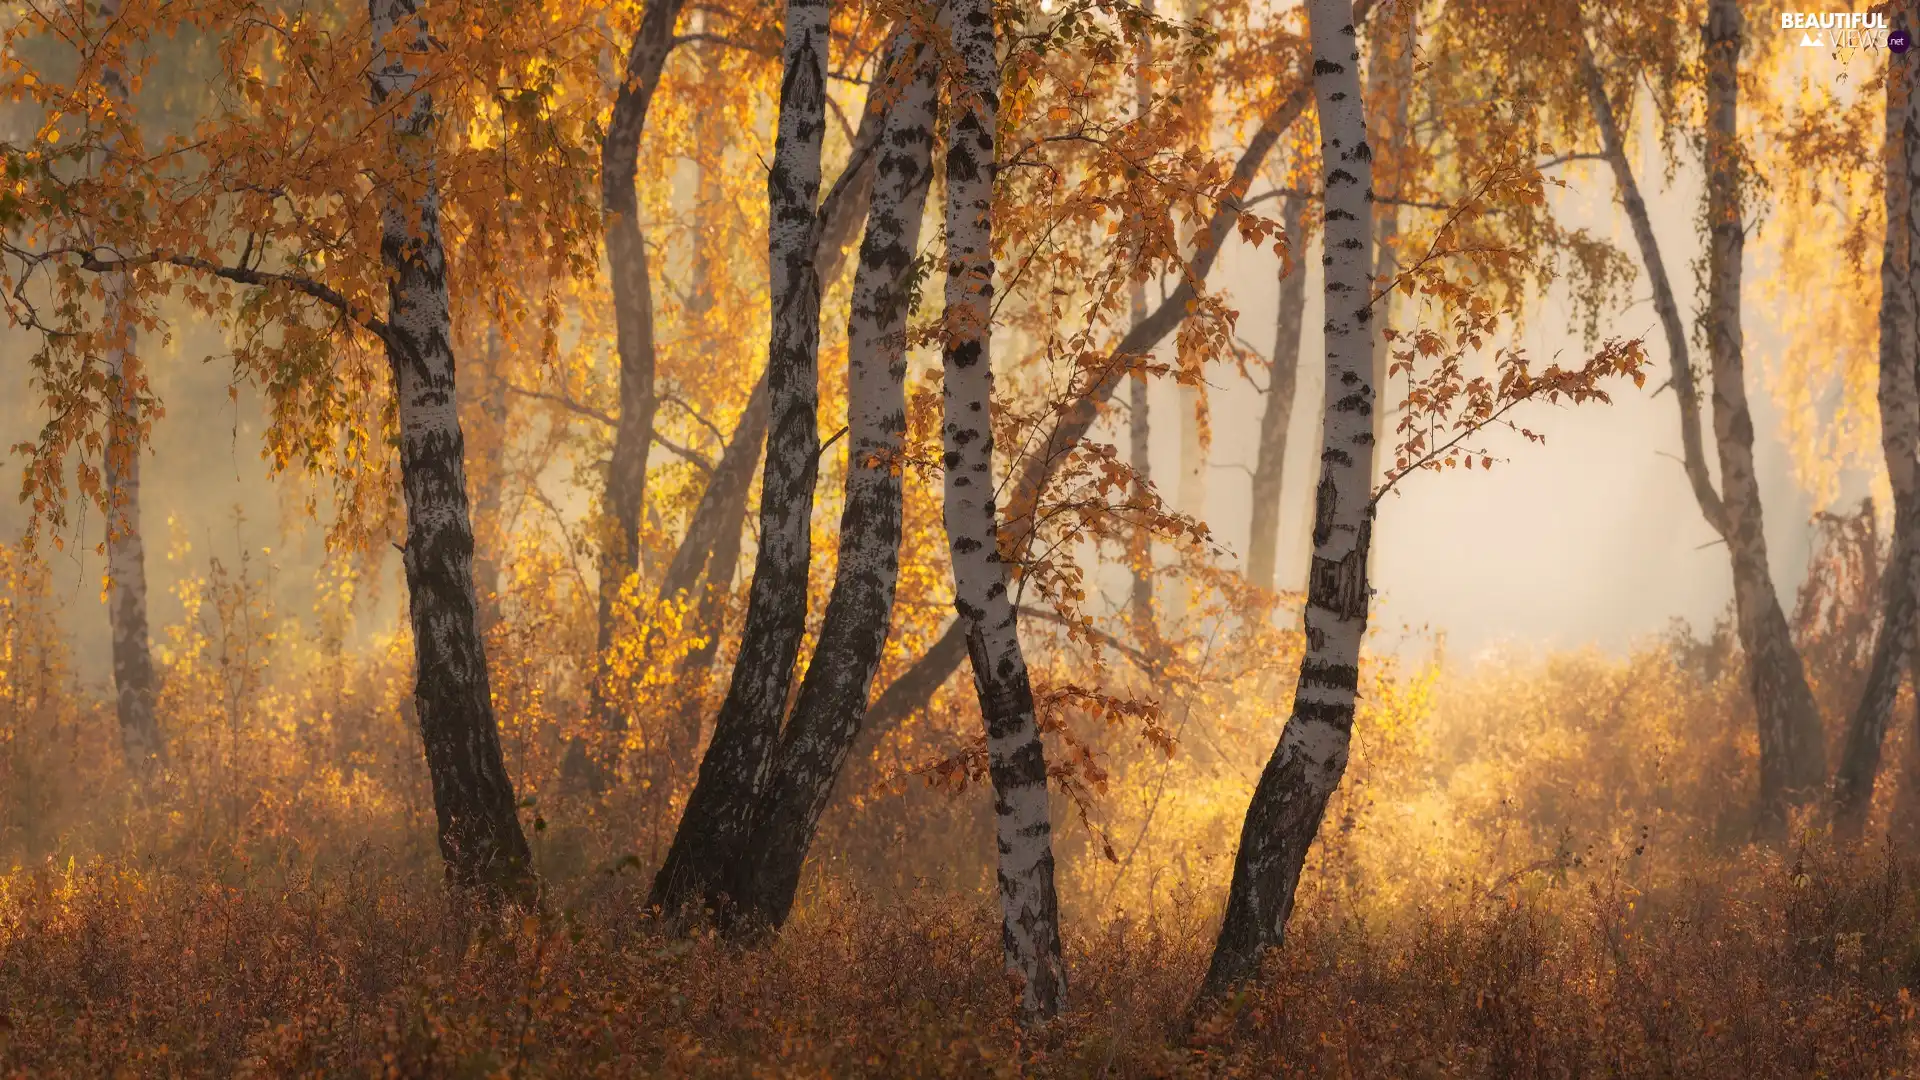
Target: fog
[(1592, 538)]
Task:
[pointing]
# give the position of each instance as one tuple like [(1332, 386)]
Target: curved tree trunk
[(711, 545), (1269, 470), (1306, 766), (1685, 391), (626, 493), (719, 809), (1853, 781), (479, 828), (1016, 762), (833, 697), (133, 676), (722, 507), (1792, 749)]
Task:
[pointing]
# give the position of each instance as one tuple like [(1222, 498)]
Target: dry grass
[(1541, 868), (368, 970)]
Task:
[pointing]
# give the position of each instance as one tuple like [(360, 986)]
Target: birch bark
[(1269, 470), (719, 810), (833, 696), (479, 829), (712, 541), (1306, 766), (1900, 444), (919, 683), (1030, 925)]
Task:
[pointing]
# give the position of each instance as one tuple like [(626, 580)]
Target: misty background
[(1593, 538)]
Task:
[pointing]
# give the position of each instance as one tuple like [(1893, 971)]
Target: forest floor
[(367, 969)]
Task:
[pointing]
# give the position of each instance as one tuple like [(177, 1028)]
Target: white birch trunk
[(1311, 756), (1029, 907), (719, 811), (479, 827), (833, 697)]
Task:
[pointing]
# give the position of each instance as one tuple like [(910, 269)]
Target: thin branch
[(687, 454), (675, 399), (1564, 158), (1383, 200), (567, 403)]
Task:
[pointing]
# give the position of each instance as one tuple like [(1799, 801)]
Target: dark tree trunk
[(1306, 766), (1792, 754), (1269, 470), (479, 828), (1899, 396), (626, 494), (1792, 749), (745, 732), (712, 542), (133, 674), (833, 696), (490, 485), (722, 507)]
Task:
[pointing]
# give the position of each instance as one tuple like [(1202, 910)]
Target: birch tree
[(479, 827), (318, 189), (1311, 756), (916, 686), (1792, 750), (712, 543), (718, 811), (1792, 755), (1030, 912), (133, 674), (833, 696), (1899, 401)]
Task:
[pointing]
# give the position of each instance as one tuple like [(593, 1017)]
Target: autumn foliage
[(1537, 863)]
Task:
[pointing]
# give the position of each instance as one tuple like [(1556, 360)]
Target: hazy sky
[(1593, 537)]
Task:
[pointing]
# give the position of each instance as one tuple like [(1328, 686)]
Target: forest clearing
[(1067, 538)]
